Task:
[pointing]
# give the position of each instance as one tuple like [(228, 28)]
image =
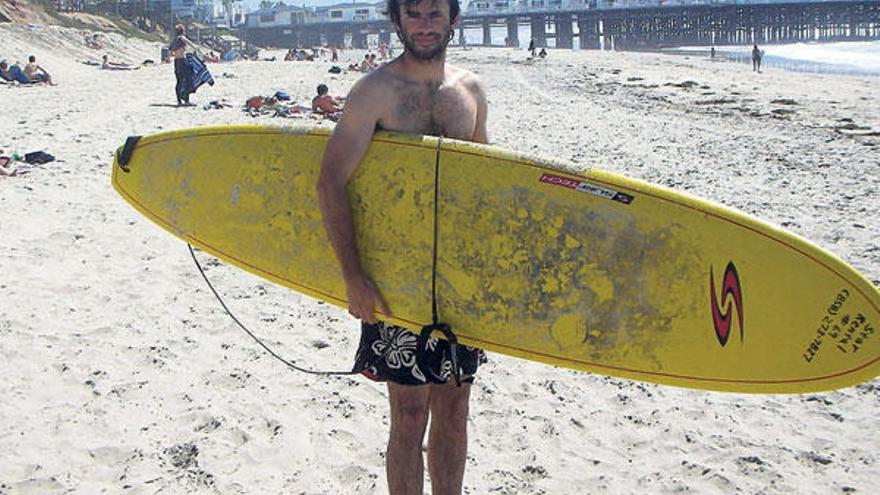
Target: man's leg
[(447, 440), (404, 467)]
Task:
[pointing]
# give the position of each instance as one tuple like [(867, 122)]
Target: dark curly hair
[(392, 9)]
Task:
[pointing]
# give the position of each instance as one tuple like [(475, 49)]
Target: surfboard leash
[(257, 339), (435, 324)]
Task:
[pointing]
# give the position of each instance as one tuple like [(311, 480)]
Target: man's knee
[(409, 413), (450, 406)]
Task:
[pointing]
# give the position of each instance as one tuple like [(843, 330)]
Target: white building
[(276, 17), (350, 12)]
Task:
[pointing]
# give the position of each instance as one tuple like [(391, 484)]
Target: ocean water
[(851, 57)]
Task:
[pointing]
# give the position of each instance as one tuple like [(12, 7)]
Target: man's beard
[(430, 54)]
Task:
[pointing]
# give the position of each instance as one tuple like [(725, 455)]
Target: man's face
[(425, 27)]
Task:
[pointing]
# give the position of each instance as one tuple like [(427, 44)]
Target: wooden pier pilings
[(640, 28)]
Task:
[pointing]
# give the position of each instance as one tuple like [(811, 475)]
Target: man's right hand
[(364, 299)]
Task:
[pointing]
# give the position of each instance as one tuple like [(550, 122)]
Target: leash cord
[(257, 339)]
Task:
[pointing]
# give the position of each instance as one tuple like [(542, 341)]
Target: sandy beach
[(122, 374)]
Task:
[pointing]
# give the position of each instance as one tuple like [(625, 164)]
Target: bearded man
[(415, 93)]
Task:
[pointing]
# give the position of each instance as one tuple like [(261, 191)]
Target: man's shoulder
[(375, 82), (466, 78)]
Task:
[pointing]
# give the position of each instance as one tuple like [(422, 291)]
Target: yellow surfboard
[(586, 270)]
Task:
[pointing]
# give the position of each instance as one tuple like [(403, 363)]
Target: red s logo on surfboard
[(730, 288)]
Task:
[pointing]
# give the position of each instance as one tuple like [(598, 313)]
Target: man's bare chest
[(422, 109)]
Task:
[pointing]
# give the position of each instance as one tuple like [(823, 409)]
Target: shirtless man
[(416, 93), (35, 73), (182, 72)]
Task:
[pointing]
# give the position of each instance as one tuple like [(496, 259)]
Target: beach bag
[(38, 157)]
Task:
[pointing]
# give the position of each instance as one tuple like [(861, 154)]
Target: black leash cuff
[(443, 328)]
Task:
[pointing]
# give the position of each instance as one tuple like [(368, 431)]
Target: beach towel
[(200, 73)]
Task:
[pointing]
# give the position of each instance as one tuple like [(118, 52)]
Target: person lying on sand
[(106, 64), (9, 168), (37, 74), (13, 73), (4, 72)]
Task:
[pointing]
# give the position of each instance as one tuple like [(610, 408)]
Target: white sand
[(120, 373)]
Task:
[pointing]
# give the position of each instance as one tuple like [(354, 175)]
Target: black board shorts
[(391, 353)]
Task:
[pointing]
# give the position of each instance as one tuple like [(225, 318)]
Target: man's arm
[(345, 148), (480, 133)]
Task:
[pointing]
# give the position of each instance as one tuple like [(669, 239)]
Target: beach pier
[(621, 25), (603, 23)]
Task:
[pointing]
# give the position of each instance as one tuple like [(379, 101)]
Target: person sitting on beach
[(324, 103), (542, 53), (35, 73), (364, 65), (93, 42), (106, 64)]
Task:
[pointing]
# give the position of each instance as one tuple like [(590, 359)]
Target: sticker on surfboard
[(585, 187)]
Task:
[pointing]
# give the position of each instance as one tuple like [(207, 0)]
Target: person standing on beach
[(182, 71), (756, 58), (416, 93)]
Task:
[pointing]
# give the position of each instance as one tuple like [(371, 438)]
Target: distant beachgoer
[(334, 56), (381, 50), (35, 73), (532, 47), (13, 73), (182, 71), (542, 53), (757, 55), (106, 64), (365, 65), (94, 42), (7, 167), (712, 52), (4, 72), (324, 103)]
